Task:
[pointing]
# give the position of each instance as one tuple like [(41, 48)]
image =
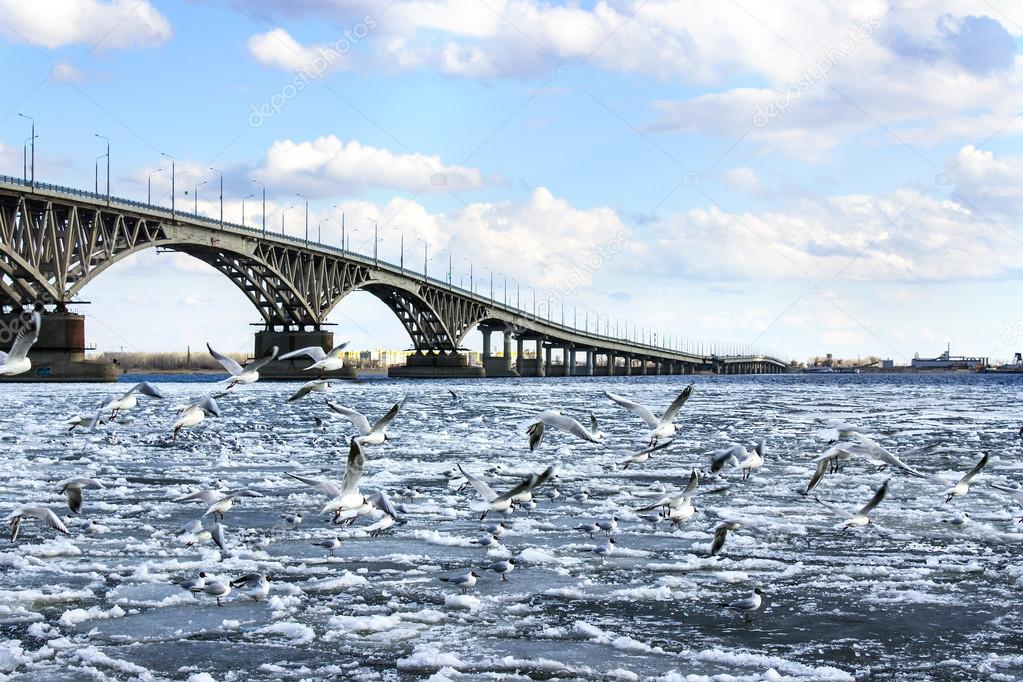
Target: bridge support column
[(541, 369), (287, 341), (590, 362), (486, 344), (547, 363), (612, 360), (569, 361), (642, 366), (507, 351), (518, 356), (628, 365)]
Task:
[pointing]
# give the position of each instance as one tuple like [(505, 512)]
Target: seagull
[(197, 585), (660, 428), (496, 529), (605, 550), (827, 462), (755, 460), (722, 458), (642, 455), (382, 523), (214, 532), (86, 421), (325, 362), (487, 540), (1015, 493), (678, 498), (255, 585), (609, 526), (128, 401), (861, 517), (555, 419), (454, 396), (747, 604), (721, 534), (217, 590), (194, 413), (320, 426), (959, 520), (92, 527), (494, 502), (249, 374), (227, 501), (882, 458), (503, 568), (963, 486), (837, 430), (317, 385), (368, 435), (206, 497), (464, 582), (589, 528), (43, 514), (73, 489), (16, 361), (331, 545), (347, 496), (292, 521)]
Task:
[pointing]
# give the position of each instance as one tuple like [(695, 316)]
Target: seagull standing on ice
[(249, 374), (16, 361), (255, 586), (325, 362), (755, 460), (748, 605), (555, 419), (963, 486), (463, 582), (660, 428), (369, 435)]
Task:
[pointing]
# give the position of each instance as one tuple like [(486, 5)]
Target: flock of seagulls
[(346, 503)]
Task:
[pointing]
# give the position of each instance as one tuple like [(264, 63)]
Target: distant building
[(948, 361), (888, 364)]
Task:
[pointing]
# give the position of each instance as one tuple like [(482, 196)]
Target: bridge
[(55, 240)]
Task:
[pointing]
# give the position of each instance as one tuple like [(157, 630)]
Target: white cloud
[(277, 48), (329, 166), (742, 178), (988, 183), (57, 23)]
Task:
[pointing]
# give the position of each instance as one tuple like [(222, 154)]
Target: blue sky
[(809, 176)]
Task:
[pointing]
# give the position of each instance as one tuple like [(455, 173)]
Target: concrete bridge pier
[(628, 365), (589, 362), (548, 352), (497, 366), (612, 364), (435, 364), (59, 354), (288, 340), (569, 361)]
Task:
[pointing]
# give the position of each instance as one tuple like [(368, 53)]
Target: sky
[(806, 176)]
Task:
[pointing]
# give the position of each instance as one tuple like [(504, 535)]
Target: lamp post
[(264, 204), (472, 282), (149, 186), (283, 213), (195, 197), (401, 256), (32, 182), (319, 230), (221, 196), (306, 216), (344, 247), (173, 180), (376, 240), (104, 137), (249, 196), (426, 257), (95, 174)]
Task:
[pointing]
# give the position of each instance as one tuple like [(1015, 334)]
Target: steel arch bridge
[(55, 240)]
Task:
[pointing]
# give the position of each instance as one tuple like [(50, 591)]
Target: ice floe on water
[(918, 593)]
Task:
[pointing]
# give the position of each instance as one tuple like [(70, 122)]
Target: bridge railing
[(653, 349)]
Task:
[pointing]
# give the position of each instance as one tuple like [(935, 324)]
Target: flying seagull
[(555, 419), (129, 401), (249, 374), (317, 385), (73, 489), (368, 435), (16, 361), (642, 455), (494, 502), (660, 428), (963, 486), (325, 362), (43, 514), (877, 455), (860, 518), (196, 412)]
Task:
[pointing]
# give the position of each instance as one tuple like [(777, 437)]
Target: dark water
[(908, 597)]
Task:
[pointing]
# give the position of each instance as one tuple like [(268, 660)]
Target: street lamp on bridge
[(472, 282), (195, 197), (306, 216), (376, 239), (221, 196), (104, 137), (33, 138), (401, 256), (149, 186), (264, 204), (319, 230), (249, 196), (173, 181), (426, 256), (344, 247), (283, 213)]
